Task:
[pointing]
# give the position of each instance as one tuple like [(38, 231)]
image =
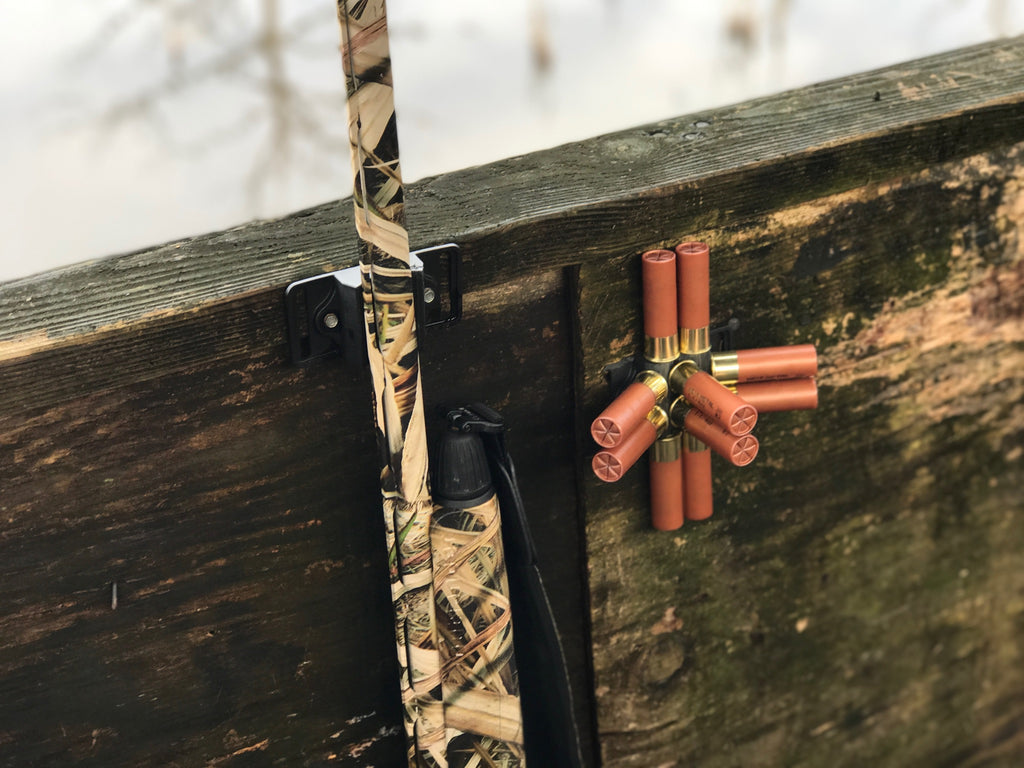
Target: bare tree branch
[(292, 113)]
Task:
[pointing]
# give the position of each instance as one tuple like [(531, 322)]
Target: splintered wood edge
[(516, 202)]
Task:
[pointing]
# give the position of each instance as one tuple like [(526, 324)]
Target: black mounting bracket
[(621, 374), (325, 313)]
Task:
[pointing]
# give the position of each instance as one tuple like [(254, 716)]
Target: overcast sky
[(127, 122)]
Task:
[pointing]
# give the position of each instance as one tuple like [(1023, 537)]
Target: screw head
[(331, 321), (429, 296)]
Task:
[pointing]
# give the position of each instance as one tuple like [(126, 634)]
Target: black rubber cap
[(461, 477)]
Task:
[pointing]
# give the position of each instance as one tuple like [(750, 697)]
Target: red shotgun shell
[(726, 408), (628, 409), (623, 415), (788, 395), (667, 483), (612, 463), (799, 361), (694, 285), (699, 503), (660, 297), (739, 451)]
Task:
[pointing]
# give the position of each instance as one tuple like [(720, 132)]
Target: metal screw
[(429, 296), (330, 321)]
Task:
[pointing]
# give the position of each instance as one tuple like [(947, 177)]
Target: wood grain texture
[(236, 506), (855, 600), (209, 497), (596, 195)]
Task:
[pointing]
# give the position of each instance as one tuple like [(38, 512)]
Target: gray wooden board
[(855, 600)]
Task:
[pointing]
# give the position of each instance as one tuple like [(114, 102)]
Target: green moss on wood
[(847, 603)]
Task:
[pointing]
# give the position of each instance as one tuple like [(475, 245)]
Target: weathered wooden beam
[(854, 600), (574, 204), (858, 596), (234, 502)]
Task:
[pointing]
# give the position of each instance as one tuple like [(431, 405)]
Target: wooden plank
[(584, 197), (858, 597), (233, 504), (157, 438)]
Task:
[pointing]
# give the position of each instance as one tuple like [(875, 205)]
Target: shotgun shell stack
[(772, 378), (687, 400)]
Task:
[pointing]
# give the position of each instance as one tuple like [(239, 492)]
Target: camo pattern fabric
[(394, 366)]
